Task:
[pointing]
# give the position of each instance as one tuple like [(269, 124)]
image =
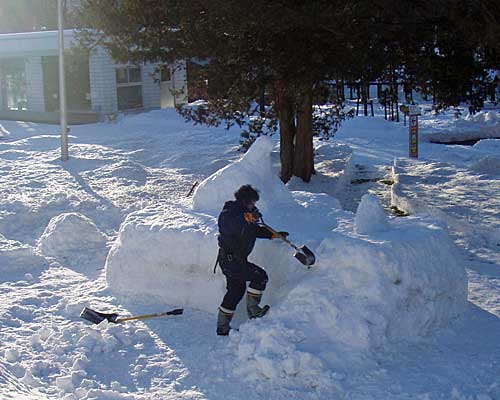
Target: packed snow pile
[(482, 125), (364, 292), (211, 194), (370, 216), (375, 281), (73, 239), (17, 257)]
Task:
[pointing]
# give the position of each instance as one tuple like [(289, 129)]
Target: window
[(14, 91), (129, 87), (126, 75), (121, 75), (134, 74)]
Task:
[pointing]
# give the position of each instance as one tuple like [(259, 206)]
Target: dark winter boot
[(253, 301), (223, 320)]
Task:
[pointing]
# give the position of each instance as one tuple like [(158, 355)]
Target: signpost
[(62, 84), (414, 111)]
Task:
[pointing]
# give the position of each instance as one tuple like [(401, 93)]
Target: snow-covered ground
[(382, 315)]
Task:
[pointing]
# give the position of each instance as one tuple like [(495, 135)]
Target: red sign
[(414, 136)]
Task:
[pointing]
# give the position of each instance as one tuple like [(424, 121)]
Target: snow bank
[(483, 125), (16, 257), (73, 239), (370, 216)]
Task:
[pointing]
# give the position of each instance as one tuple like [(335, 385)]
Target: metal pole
[(62, 84)]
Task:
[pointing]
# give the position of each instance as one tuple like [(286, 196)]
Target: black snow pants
[(238, 272)]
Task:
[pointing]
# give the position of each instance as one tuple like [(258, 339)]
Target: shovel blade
[(305, 256), (97, 317)]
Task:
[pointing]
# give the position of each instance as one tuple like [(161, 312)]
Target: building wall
[(102, 82), (150, 87), (34, 84)]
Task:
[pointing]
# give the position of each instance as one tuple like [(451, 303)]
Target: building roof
[(33, 43)]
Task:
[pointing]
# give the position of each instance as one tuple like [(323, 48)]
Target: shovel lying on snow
[(97, 317), (302, 253)]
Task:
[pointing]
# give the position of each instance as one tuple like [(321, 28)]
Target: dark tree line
[(269, 61)]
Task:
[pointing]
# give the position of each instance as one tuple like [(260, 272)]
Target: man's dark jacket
[(236, 235)]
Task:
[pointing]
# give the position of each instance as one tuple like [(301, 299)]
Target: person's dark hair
[(246, 194)]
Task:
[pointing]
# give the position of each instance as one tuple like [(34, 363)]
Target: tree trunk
[(285, 111), (303, 165)]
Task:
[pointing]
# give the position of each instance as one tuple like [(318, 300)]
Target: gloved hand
[(281, 234), (253, 217)]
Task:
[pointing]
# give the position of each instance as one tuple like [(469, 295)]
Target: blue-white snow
[(383, 315)]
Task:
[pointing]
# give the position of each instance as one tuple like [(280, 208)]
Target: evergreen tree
[(286, 51)]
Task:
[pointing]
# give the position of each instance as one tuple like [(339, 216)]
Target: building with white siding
[(97, 87)]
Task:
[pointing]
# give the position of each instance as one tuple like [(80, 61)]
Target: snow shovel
[(302, 253), (97, 317)]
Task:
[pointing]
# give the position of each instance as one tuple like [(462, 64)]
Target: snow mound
[(16, 257), (370, 216), (488, 165), (253, 168), (73, 239), (3, 132)]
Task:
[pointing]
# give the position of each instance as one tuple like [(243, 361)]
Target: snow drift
[(375, 282)]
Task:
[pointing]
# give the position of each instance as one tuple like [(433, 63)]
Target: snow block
[(370, 215), (167, 255)]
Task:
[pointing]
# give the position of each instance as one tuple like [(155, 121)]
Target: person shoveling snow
[(238, 230)]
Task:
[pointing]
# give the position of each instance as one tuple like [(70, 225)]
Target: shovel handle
[(147, 316), (281, 237)]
